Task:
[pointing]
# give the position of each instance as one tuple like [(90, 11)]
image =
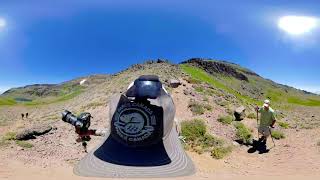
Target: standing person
[(22, 115), (27, 114), (267, 121)]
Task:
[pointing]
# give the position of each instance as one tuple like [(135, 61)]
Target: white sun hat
[(266, 103)]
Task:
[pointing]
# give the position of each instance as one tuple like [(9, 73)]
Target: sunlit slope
[(39, 94), (246, 85)]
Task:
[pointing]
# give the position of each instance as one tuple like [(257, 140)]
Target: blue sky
[(53, 41)]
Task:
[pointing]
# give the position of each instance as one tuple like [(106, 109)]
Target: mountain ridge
[(235, 78)]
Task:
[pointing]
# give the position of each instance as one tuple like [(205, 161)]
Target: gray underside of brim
[(181, 164)]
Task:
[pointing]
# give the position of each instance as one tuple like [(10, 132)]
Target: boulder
[(240, 113), (32, 132), (174, 83)]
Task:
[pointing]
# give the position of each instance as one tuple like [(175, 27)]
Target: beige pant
[(265, 131)]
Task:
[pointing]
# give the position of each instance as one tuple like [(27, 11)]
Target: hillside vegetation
[(42, 94), (246, 85), (209, 96)]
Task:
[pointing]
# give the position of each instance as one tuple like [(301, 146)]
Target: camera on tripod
[(82, 122)]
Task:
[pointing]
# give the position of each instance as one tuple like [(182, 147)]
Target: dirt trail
[(296, 156)]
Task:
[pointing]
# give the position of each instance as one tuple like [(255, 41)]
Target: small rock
[(186, 92), (240, 113), (19, 148), (174, 83), (235, 143)]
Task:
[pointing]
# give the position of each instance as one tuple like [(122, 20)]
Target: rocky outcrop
[(240, 113), (32, 132), (174, 83), (212, 67)]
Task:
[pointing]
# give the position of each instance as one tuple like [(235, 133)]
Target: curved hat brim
[(180, 165)]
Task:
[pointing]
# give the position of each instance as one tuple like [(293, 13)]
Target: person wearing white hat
[(267, 120)]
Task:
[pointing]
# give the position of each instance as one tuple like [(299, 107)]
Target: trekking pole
[(258, 123), (274, 144)]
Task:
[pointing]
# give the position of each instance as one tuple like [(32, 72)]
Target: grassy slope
[(201, 75), (66, 92), (281, 96), (4, 101), (61, 98)]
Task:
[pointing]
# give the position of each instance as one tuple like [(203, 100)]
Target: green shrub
[(222, 103), (196, 108), (5, 140), (284, 125), (9, 136), (193, 81), (221, 152), (225, 119), (208, 141), (4, 143), (205, 98), (24, 144), (252, 116), (208, 107), (210, 92), (194, 129), (229, 111), (277, 134), (198, 140), (199, 89), (198, 149), (243, 133)]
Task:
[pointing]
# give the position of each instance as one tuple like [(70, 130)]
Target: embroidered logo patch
[(134, 122)]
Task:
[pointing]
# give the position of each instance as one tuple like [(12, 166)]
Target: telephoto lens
[(68, 117)]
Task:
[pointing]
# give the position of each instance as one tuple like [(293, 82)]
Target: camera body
[(82, 122)]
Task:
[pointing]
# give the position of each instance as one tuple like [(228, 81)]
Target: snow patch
[(83, 81)]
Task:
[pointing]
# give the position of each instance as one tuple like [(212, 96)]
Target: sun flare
[(2, 22), (297, 25)]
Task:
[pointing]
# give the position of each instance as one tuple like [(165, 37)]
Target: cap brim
[(180, 165)]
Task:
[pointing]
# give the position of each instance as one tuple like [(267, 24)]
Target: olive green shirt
[(266, 117)]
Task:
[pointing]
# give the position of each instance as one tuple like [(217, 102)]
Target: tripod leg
[(274, 144), (84, 144)]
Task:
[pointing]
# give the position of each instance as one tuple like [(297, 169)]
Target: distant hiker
[(267, 121), (22, 115), (27, 114)]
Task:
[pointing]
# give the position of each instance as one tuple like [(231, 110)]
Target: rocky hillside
[(246, 84), (35, 92), (226, 84), (215, 93)]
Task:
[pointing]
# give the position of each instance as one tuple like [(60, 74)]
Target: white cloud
[(4, 88)]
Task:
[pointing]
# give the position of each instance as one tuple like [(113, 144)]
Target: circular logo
[(134, 122)]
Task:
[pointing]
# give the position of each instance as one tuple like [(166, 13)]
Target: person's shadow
[(255, 146)]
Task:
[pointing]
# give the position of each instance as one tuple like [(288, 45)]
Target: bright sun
[(297, 25), (2, 23)]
